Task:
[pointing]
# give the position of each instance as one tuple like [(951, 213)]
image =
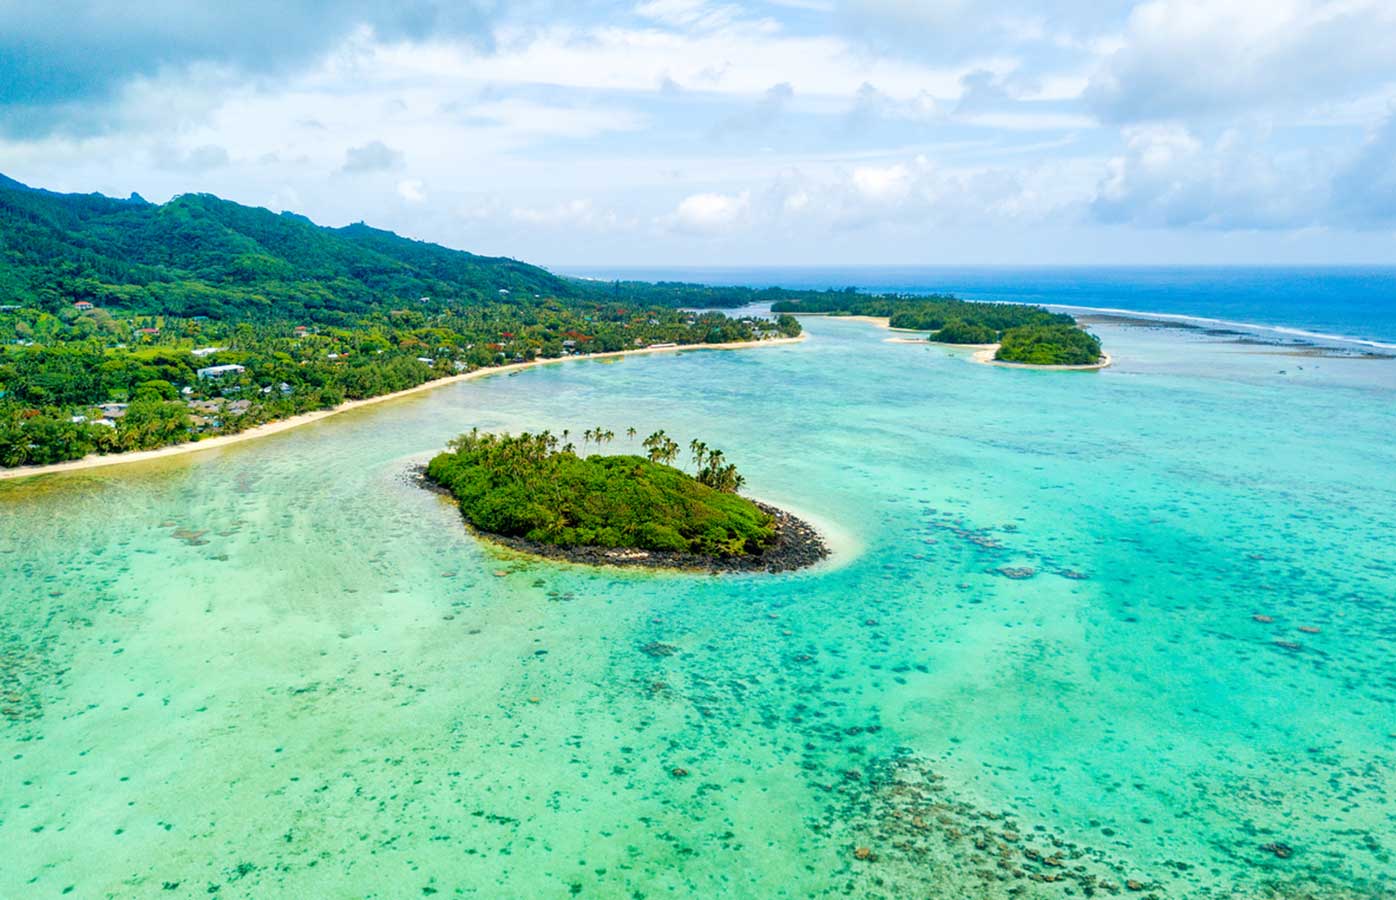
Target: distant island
[(535, 493), (1024, 334)]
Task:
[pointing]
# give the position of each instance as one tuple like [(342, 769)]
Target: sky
[(690, 132)]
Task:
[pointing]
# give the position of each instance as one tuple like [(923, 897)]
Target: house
[(9, 308), (301, 329), (426, 360), (220, 371), (82, 306), (667, 345), (149, 331), (112, 410), (207, 351)]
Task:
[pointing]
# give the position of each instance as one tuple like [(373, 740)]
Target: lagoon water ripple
[(1085, 629)]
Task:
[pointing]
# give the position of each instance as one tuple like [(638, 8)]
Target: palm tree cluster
[(534, 452), (599, 435), (661, 448), (712, 468)]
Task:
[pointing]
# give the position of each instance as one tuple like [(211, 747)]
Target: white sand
[(116, 459)]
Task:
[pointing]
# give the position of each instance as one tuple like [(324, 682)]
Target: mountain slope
[(201, 255)]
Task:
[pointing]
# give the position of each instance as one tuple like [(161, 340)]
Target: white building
[(220, 371)]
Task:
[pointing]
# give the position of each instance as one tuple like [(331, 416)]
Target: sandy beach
[(280, 425)]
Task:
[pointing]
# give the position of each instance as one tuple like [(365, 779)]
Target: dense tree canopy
[(530, 486), (1049, 345), (200, 255)]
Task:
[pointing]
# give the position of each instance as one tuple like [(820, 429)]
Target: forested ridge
[(199, 255)]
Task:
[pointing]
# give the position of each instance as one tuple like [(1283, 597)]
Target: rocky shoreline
[(798, 545)]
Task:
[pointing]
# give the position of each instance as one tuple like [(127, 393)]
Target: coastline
[(97, 461)]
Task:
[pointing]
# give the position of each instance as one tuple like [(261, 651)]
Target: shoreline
[(98, 461)]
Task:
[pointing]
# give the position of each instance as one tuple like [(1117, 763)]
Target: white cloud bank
[(838, 131)]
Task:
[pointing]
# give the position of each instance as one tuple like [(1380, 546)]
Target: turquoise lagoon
[(1032, 669)]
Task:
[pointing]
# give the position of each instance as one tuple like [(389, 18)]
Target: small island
[(1015, 333), (535, 493)]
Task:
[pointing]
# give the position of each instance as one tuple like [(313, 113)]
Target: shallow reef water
[(1127, 632)]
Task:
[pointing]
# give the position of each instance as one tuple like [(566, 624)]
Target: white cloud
[(762, 115), (1170, 178), (849, 135), (1364, 188), (701, 214), (689, 14), (375, 156), (1181, 59), (888, 184), (411, 190), (580, 213)]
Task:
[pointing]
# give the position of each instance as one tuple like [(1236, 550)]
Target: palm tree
[(661, 448), (630, 432)]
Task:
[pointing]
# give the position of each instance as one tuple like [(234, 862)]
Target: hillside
[(201, 255)]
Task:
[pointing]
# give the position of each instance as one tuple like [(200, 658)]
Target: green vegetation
[(536, 488), (958, 331), (1049, 345), (932, 313), (109, 309), (1029, 334)]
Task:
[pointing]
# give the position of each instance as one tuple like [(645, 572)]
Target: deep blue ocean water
[(1356, 302)]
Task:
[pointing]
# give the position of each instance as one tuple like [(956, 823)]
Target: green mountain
[(201, 255)]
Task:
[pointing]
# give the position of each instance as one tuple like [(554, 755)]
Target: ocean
[(1126, 632), (1354, 302)]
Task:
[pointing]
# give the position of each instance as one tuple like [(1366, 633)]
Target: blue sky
[(693, 132)]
